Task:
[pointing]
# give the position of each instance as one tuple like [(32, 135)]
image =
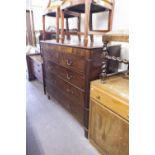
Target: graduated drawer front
[(72, 58), (72, 106), (73, 93), (110, 102), (72, 77)]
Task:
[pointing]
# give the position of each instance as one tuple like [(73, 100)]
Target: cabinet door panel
[(108, 131)]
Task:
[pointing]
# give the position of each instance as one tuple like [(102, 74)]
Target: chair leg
[(91, 27), (43, 21), (86, 18), (79, 29), (67, 27), (110, 19), (57, 24), (62, 26)]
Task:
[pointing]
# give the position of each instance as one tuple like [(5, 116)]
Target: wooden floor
[(50, 129)]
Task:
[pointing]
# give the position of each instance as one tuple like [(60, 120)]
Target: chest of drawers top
[(75, 48), (74, 57)]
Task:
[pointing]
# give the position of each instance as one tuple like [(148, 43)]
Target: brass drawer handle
[(98, 97), (69, 62), (69, 77)]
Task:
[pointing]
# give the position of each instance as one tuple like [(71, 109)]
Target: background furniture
[(69, 68), (108, 122), (35, 67), (107, 38), (53, 10), (88, 7), (30, 34)]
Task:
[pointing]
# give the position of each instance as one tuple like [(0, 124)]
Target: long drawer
[(70, 98), (72, 77), (69, 60), (73, 93), (73, 62)]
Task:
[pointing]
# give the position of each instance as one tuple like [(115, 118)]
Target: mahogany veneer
[(68, 70)]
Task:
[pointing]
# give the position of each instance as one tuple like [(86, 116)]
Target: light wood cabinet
[(108, 129), (108, 132)]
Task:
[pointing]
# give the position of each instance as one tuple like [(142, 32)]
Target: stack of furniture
[(68, 70), (70, 66)]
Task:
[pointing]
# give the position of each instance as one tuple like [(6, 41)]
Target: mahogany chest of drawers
[(108, 123), (68, 70)]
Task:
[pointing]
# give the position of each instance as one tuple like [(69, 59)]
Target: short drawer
[(110, 102), (72, 77)]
